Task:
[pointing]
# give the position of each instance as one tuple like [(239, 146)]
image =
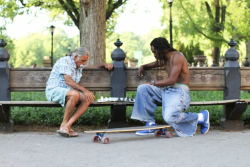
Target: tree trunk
[(248, 49), (92, 29), (216, 55), (218, 27)]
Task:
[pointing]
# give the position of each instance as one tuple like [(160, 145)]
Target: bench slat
[(35, 79), (95, 103), (52, 104)]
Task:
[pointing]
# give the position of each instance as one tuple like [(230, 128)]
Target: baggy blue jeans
[(175, 100)]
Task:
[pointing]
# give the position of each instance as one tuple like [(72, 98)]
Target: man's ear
[(75, 57)]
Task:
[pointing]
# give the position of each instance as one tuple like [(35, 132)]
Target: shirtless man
[(172, 92)]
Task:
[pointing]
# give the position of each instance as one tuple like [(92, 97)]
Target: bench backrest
[(98, 79)]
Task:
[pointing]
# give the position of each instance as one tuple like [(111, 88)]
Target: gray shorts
[(57, 94)]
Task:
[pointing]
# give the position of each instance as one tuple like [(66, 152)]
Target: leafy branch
[(221, 39), (111, 7)]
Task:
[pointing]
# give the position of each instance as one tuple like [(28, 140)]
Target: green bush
[(189, 51), (100, 115)]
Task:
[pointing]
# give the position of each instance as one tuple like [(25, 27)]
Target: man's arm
[(146, 66), (150, 65), (109, 66), (89, 95), (73, 84), (175, 72)]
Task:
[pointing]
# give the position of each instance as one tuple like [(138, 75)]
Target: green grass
[(100, 115)]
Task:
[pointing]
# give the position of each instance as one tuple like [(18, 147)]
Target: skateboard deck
[(161, 130)]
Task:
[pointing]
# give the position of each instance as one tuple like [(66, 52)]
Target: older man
[(63, 87)]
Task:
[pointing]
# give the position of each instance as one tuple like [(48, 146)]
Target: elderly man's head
[(81, 56)]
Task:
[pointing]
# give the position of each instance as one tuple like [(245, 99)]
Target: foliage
[(132, 42), (101, 115), (32, 49), (112, 21), (65, 11), (58, 10), (210, 23), (238, 19), (246, 115), (190, 51), (10, 44), (185, 37)]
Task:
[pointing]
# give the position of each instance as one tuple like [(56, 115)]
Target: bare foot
[(73, 133), (64, 132)]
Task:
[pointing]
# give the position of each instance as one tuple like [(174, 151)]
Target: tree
[(215, 21), (90, 16), (92, 26)]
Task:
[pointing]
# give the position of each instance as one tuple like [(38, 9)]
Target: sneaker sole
[(208, 122), (144, 134)]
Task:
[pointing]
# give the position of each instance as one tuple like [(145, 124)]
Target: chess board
[(116, 99)]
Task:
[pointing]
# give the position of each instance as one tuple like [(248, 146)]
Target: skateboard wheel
[(169, 134), (105, 140), (157, 133), (95, 139)]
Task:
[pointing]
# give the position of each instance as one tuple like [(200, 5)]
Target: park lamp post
[(52, 28), (170, 20), (69, 47)]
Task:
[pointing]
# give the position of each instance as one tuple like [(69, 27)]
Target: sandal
[(64, 132), (73, 133)]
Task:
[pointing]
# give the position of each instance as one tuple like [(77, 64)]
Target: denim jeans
[(175, 100)]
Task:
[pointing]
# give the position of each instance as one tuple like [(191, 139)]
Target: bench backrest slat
[(98, 79), (30, 79)]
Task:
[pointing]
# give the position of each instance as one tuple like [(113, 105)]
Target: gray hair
[(80, 51)]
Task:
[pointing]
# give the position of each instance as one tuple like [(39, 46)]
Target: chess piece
[(127, 99)]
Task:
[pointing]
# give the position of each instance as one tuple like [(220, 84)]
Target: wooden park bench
[(122, 79)]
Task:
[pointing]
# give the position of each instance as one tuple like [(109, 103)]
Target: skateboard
[(161, 130)]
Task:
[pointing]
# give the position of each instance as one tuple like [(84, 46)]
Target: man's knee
[(142, 88), (84, 100), (74, 95), (87, 103), (171, 115)]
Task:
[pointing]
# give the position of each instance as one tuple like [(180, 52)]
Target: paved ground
[(45, 149)]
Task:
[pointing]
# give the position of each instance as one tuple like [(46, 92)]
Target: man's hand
[(149, 83), (89, 96), (140, 72), (109, 66)]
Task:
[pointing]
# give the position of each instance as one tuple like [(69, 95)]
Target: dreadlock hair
[(160, 44)]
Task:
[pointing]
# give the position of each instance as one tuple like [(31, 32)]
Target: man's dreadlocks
[(160, 44)]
